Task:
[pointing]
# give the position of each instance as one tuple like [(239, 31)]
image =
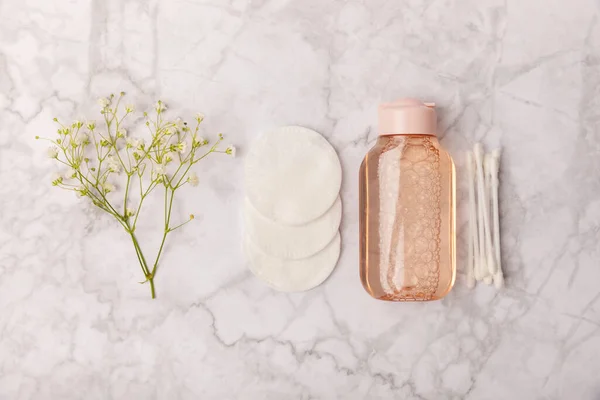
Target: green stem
[(166, 232), (126, 194), (180, 225), (138, 251), (151, 280), (162, 243), (140, 254)]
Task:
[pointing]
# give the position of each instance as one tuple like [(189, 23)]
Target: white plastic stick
[(495, 167), (473, 250), (486, 227), (473, 216), (489, 249), (478, 151)]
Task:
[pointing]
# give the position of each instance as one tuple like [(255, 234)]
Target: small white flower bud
[(71, 173), (193, 179), (230, 150), (160, 106), (103, 102), (52, 152), (181, 147), (108, 187)]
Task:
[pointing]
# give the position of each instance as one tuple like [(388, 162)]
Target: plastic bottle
[(407, 208)]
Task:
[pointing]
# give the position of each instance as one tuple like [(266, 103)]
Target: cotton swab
[(486, 227), (484, 261), (495, 167), (481, 261), (473, 212), (473, 250), (491, 262)]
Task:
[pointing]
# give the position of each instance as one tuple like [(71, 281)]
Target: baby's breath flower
[(179, 124), (159, 170), (82, 139), (52, 152), (181, 147), (108, 187), (81, 191), (57, 179), (198, 141), (170, 156), (230, 150), (160, 106), (167, 144), (103, 102), (131, 142), (71, 173), (114, 165), (76, 161), (134, 143), (193, 179), (65, 131)]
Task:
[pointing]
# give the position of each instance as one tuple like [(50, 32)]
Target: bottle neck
[(406, 134)]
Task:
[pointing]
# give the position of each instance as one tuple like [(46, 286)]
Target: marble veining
[(521, 74)]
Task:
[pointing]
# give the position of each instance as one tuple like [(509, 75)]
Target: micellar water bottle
[(407, 207)]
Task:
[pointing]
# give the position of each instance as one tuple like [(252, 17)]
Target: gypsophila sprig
[(103, 163)]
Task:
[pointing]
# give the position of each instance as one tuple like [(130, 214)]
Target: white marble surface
[(523, 74)]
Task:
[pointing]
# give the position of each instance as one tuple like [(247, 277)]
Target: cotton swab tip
[(499, 280)]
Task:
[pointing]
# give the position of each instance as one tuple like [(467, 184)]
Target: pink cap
[(406, 116)]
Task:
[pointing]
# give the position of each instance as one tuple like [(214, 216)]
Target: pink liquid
[(407, 219)]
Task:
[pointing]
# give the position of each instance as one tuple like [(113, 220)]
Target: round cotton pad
[(292, 241), (293, 175), (293, 275)]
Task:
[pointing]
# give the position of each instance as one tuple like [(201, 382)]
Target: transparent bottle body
[(407, 219)]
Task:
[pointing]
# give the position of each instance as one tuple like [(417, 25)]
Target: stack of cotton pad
[(292, 210)]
